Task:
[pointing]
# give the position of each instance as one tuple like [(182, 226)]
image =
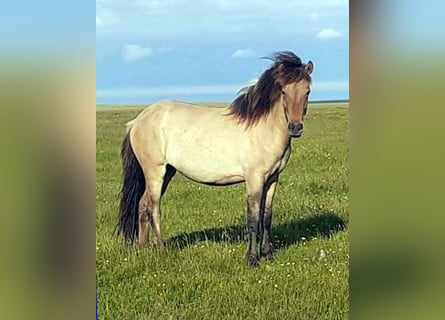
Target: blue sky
[(205, 50)]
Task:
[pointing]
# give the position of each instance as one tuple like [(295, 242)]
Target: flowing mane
[(256, 101)]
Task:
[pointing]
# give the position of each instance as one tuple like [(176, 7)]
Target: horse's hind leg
[(155, 187), (143, 220)]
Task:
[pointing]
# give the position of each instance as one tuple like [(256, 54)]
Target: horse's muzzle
[(295, 129)]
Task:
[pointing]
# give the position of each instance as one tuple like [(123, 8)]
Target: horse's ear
[(309, 67)]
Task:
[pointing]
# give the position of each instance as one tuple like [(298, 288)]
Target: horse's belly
[(210, 175), (206, 168), (213, 179)]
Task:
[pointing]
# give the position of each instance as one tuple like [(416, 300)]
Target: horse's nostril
[(299, 126)]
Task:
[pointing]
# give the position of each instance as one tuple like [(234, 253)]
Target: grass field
[(203, 274)]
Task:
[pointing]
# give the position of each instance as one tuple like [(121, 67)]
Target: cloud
[(134, 52), (243, 53), (314, 16), (329, 33), (228, 19), (105, 17)]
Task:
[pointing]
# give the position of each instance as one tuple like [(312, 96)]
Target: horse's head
[(286, 84), (294, 96)]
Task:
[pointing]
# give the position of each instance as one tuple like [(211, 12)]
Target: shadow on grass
[(322, 224)]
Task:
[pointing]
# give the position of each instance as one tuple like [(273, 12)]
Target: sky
[(206, 50)]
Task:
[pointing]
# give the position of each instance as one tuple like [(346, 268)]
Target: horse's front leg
[(255, 187), (266, 249)]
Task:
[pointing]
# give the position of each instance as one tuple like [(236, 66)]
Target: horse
[(248, 141)]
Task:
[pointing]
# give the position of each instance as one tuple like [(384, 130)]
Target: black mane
[(256, 101)]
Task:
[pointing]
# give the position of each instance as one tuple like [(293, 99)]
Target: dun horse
[(247, 142)]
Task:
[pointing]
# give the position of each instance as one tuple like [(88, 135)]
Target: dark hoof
[(160, 245), (252, 261), (269, 256), (267, 253), (143, 245)]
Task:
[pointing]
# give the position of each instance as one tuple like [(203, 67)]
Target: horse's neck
[(275, 125), (278, 122)]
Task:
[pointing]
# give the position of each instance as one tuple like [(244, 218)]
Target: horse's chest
[(281, 164)]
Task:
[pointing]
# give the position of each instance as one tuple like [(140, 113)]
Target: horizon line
[(346, 100)]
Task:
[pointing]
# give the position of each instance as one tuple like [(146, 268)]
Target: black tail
[(133, 187)]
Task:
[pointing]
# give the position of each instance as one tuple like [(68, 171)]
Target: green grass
[(203, 274)]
